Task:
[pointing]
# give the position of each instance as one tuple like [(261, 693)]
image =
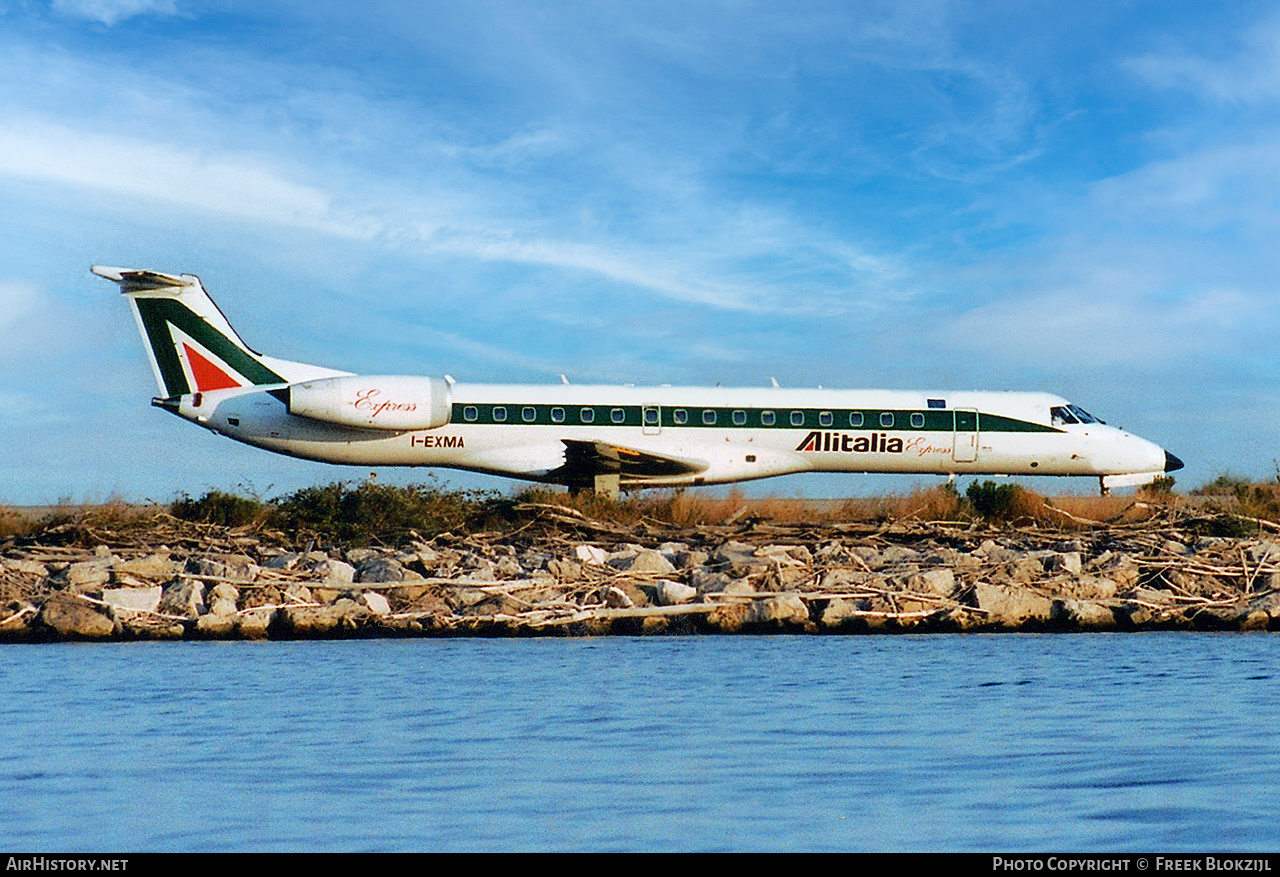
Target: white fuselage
[(718, 434)]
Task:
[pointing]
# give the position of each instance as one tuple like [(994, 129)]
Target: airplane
[(605, 438)]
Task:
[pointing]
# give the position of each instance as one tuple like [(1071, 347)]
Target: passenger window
[(826, 418), (739, 418), (499, 414), (708, 417), (767, 418), (855, 418), (937, 403), (587, 415), (617, 415), (557, 415), (680, 416), (651, 416), (797, 418), (886, 419), (917, 420), (470, 413), (530, 414)]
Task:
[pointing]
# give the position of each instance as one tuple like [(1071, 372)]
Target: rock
[(739, 588), (1010, 607), (184, 597), (590, 554), (1086, 587), (284, 560), (87, 575), (1266, 550), (782, 612), (638, 596), (1084, 614), (70, 618), (688, 559), (644, 561), (379, 569), (255, 623), (238, 567), (841, 578), (215, 626), (357, 557), (1025, 570), (738, 559), (29, 568), (729, 617), (674, 593), (133, 599), (329, 570), (710, 582), (941, 582), (1066, 562), (565, 570), (223, 599), (153, 567), (840, 612), (377, 603), (895, 555), (616, 598), (343, 616)]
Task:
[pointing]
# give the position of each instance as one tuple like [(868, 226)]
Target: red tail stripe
[(208, 376)]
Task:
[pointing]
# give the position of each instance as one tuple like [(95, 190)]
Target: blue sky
[(1080, 198)]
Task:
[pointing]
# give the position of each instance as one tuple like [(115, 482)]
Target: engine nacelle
[(395, 402)]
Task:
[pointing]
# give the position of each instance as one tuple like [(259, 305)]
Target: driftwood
[(560, 571)]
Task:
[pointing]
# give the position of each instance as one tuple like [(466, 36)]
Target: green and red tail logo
[(193, 356)]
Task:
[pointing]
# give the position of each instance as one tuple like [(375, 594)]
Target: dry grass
[(377, 512)]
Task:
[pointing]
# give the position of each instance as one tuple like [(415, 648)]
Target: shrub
[(378, 511), (219, 507), (994, 502)]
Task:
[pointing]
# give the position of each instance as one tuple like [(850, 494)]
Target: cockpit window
[(1071, 414), (1061, 415), (1085, 416)]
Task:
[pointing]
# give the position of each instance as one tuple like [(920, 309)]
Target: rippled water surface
[(1054, 742)]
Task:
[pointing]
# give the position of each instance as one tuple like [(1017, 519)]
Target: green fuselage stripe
[(675, 417)]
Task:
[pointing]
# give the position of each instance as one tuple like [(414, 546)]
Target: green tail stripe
[(158, 313)]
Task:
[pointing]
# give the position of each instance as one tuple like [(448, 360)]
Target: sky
[(1074, 197)]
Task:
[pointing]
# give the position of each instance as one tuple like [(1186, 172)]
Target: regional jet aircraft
[(604, 438)]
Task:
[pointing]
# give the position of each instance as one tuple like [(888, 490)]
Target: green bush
[(994, 502), (219, 507), (369, 511)]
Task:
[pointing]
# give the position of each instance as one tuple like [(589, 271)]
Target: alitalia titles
[(876, 442)]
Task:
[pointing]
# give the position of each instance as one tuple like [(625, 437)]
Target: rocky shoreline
[(562, 574)]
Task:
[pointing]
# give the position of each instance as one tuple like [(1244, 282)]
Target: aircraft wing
[(583, 460)]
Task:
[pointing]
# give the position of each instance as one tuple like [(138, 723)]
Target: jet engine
[(394, 402)]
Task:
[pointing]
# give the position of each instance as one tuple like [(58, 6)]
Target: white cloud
[(110, 12), (242, 186), (1106, 326), (1249, 76), (17, 299)]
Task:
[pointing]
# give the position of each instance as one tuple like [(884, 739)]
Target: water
[(1055, 742)]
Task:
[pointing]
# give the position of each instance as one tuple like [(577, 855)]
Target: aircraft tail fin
[(191, 346)]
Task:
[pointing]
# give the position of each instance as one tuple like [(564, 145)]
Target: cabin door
[(651, 419), (965, 449)]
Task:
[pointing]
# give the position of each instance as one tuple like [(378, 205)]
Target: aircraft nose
[(1172, 463)]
